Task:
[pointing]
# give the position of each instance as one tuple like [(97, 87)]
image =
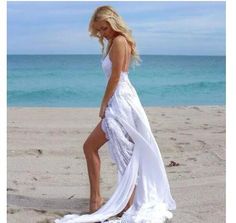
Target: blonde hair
[(108, 14)]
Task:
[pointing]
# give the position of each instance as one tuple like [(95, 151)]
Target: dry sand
[(47, 173)]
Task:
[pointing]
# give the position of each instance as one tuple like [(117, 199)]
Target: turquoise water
[(78, 80)]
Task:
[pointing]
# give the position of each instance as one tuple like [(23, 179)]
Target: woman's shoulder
[(119, 40), (118, 43)]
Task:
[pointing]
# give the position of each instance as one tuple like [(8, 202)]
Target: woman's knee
[(89, 148), (86, 148)]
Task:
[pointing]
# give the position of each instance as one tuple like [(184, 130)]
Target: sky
[(159, 28)]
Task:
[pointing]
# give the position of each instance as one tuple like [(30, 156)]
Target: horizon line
[(76, 54)]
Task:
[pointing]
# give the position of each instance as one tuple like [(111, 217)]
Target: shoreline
[(157, 106)]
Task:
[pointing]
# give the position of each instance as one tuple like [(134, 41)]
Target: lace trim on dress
[(120, 144)]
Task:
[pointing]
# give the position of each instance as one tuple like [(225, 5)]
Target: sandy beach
[(47, 172)]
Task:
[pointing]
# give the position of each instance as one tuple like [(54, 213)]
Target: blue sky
[(168, 28)]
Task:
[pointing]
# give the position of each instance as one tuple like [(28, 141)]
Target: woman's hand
[(102, 111)]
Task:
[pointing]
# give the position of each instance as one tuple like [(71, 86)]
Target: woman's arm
[(117, 54)]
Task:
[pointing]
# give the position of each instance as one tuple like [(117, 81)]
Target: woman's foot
[(124, 210), (130, 202), (95, 204)]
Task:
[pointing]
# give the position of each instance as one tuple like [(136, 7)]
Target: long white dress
[(133, 148)]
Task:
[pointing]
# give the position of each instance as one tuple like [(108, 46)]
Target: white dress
[(133, 148)]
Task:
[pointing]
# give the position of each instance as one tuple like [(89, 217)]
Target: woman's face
[(104, 28)]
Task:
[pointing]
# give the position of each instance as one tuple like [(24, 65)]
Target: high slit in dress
[(139, 163)]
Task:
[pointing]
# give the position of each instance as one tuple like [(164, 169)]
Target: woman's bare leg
[(91, 146), (130, 202)]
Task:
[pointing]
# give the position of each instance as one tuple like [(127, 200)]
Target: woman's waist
[(124, 78), (125, 87)]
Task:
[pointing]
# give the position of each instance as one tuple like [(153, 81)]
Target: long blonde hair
[(107, 13)]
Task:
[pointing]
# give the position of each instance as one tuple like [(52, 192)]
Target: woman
[(142, 193)]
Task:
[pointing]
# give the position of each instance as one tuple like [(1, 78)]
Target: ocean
[(78, 80)]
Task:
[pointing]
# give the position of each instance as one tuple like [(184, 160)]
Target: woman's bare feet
[(95, 204)]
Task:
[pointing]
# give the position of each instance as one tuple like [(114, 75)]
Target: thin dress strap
[(107, 53), (126, 56)]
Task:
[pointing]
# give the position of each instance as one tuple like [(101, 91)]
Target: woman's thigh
[(96, 138)]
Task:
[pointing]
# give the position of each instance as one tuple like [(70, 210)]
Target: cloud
[(168, 26)]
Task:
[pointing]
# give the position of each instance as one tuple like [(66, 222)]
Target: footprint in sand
[(172, 172), (183, 143), (12, 189), (15, 182), (12, 210), (187, 134), (196, 108), (186, 171), (192, 158), (201, 141), (40, 211), (223, 131)]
